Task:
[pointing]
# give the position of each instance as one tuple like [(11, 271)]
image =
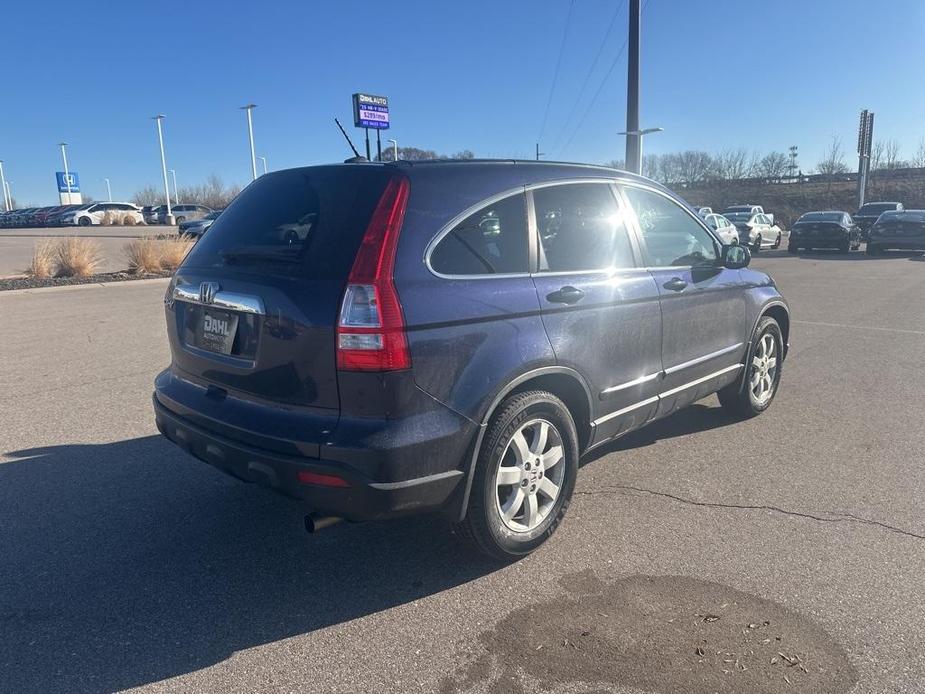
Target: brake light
[(321, 480), (371, 327)]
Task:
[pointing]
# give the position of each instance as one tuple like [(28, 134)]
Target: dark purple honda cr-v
[(386, 339)]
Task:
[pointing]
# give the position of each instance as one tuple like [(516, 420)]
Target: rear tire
[(873, 250), (777, 242), (754, 390), (84, 222), (523, 479), (757, 247)]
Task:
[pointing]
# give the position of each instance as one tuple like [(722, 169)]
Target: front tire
[(753, 392), (84, 222), (524, 476)]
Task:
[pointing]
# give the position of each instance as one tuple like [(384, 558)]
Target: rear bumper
[(899, 243), (818, 241), (362, 499)]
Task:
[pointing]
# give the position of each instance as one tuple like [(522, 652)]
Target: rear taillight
[(371, 327)]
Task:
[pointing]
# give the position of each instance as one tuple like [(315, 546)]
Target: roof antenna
[(356, 157)]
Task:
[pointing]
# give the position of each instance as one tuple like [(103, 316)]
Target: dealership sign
[(371, 111), (68, 184)]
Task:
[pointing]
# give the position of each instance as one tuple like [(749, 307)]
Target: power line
[(555, 76), (584, 84), (600, 88)]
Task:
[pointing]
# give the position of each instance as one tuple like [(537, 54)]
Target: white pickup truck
[(750, 209)]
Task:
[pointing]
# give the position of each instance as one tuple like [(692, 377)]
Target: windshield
[(302, 221), (821, 217)]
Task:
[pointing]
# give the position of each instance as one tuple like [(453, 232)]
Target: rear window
[(915, 216), (822, 217), (303, 222), (877, 208)]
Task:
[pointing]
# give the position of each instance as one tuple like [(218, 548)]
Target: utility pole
[(633, 138), (108, 189), (793, 160), (538, 152), (865, 142), (6, 198)]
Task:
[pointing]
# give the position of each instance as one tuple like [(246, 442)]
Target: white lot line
[(859, 327)]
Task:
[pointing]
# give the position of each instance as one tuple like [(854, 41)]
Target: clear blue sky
[(476, 74)]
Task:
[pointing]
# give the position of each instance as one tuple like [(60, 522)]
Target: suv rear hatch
[(253, 310)]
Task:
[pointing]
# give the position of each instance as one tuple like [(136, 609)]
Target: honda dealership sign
[(69, 188)]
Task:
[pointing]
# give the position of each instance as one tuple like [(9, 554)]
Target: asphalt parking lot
[(17, 245), (781, 554)]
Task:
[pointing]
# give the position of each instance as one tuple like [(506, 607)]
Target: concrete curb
[(88, 285)]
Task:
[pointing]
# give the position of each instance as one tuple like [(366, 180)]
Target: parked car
[(825, 229), (152, 212), (750, 209), (756, 231), (181, 213), (724, 229), (899, 229), (197, 227), (53, 219), (365, 337), (103, 212), (870, 212)]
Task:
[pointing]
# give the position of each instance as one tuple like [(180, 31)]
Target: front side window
[(491, 241), (671, 235), (580, 228)]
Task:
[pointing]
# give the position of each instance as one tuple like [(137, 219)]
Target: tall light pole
[(176, 194), (633, 139), (7, 191), (108, 189), (264, 160), (250, 134), (6, 198), (160, 138), (637, 135), (67, 175), (394, 149)]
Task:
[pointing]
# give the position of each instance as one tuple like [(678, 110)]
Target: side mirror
[(736, 257)]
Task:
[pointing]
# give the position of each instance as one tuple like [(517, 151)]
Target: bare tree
[(149, 195), (616, 164), (731, 164), (650, 166), (694, 166), (833, 160), (891, 155), (876, 156), (918, 159), (773, 166)]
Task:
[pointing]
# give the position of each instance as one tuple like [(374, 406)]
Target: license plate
[(217, 330)]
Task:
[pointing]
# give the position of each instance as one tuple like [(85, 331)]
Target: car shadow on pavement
[(127, 563), (691, 420)]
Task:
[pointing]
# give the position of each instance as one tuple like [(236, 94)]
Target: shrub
[(76, 257), (43, 260), (174, 250), (129, 220), (143, 255), (149, 254)]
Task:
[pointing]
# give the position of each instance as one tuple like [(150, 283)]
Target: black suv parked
[(385, 339), (869, 212)]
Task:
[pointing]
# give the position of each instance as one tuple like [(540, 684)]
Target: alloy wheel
[(530, 475), (764, 369)]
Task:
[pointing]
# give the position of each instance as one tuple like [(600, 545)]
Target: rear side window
[(490, 241), (304, 222), (671, 235), (580, 228)]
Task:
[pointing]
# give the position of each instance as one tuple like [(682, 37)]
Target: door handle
[(566, 295), (675, 284)]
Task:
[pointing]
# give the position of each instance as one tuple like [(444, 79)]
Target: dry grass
[(76, 257), (43, 260), (147, 254), (173, 251)]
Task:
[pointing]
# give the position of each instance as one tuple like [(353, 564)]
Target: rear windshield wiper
[(275, 254)]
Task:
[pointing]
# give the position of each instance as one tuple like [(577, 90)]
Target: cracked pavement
[(124, 564)]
